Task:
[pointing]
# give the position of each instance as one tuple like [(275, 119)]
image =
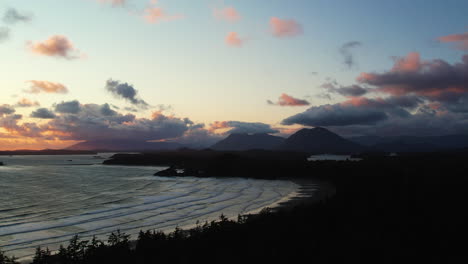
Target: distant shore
[(46, 152)]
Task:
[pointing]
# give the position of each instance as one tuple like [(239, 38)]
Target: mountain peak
[(319, 140), (244, 141)]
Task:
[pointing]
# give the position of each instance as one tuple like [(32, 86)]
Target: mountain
[(413, 143), (319, 140), (124, 145), (248, 141)]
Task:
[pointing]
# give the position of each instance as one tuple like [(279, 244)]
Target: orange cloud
[(233, 39), (460, 39), (46, 87), (282, 28), (55, 46), (229, 14), (27, 103), (218, 125)]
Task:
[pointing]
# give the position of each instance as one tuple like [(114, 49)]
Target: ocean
[(45, 200)]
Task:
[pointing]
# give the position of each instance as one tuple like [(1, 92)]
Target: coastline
[(308, 190)]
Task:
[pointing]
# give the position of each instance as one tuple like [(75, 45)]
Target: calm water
[(44, 200)]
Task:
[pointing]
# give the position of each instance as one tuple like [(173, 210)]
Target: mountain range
[(314, 140)]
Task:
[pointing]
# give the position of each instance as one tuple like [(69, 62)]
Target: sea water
[(45, 200)]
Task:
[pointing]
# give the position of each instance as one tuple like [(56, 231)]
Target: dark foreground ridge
[(385, 210)]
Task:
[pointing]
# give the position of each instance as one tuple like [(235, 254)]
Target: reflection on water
[(44, 200)]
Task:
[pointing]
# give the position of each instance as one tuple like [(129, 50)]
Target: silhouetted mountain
[(248, 141), (319, 140), (367, 140), (124, 145), (413, 143)]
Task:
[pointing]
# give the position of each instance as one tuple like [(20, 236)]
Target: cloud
[(43, 113), (434, 80), (153, 14), (283, 28), (56, 46), (12, 16), (347, 91), (236, 127), (6, 110), (106, 110), (27, 103), (410, 63), (229, 14), (414, 97), (46, 87), (114, 3), (461, 40), (95, 122), (4, 34), (345, 51), (337, 115), (233, 39), (287, 100), (71, 107), (125, 91)]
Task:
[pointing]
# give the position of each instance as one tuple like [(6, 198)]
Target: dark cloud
[(4, 34), (348, 91), (6, 110), (96, 122), (10, 124), (418, 98), (107, 111), (346, 52), (12, 16), (434, 80), (337, 115), (422, 123), (324, 96), (125, 91), (43, 113), (71, 107)]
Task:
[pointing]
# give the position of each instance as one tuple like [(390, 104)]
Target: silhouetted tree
[(42, 256), (7, 260)]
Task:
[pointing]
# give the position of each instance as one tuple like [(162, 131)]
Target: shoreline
[(309, 190)]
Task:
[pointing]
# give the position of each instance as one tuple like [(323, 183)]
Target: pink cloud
[(285, 28), (460, 39), (46, 87), (55, 46), (154, 15), (287, 100), (432, 80), (410, 63), (228, 14), (233, 39)]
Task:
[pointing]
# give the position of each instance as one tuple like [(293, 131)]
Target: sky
[(193, 71)]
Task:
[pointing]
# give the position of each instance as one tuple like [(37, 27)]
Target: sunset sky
[(196, 70)]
